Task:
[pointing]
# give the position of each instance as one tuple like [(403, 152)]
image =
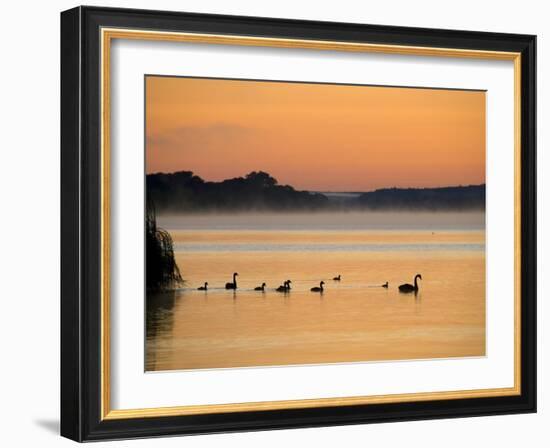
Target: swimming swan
[(284, 287), (234, 284), (407, 287), (318, 288)]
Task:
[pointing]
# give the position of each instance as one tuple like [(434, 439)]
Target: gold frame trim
[(107, 35)]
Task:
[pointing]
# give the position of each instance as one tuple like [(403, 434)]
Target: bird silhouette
[(407, 287), (284, 287), (234, 284), (318, 288)]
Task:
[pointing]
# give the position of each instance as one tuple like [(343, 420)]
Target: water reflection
[(159, 325), (355, 319)]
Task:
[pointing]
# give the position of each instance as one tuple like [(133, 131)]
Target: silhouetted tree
[(260, 180)]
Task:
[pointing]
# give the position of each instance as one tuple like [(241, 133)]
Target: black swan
[(318, 288), (260, 288), (203, 288), (234, 284), (385, 285), (337, 278), (284, 287), (407, 287)]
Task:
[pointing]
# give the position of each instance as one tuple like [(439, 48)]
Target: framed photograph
[(273, 223)]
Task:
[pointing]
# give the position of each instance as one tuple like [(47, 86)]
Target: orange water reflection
[(353, 320)]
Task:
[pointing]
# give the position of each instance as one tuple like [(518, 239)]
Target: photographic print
[(295, 223)]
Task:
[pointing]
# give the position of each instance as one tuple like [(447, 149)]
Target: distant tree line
[(445, 198), (184, 191)]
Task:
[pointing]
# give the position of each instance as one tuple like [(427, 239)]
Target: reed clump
[(162, 272)]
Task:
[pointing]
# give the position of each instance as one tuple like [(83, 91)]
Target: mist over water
[(351, 220), (353, 320)]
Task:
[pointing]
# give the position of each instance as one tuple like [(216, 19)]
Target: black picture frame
[(81, 224)]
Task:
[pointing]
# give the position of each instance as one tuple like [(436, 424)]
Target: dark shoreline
[(258, 191)]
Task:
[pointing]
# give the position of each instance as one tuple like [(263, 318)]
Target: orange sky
[(322, 137)]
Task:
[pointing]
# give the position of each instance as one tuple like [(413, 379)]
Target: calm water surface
[(353, 320)]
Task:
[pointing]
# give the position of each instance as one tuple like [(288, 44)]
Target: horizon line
[(320, 191)]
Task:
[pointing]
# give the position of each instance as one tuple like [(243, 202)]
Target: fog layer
[(353, 220)]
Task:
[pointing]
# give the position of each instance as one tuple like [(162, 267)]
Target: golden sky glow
[(321, 137)]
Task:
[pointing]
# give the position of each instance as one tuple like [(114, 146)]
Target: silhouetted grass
[(162, 272)]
